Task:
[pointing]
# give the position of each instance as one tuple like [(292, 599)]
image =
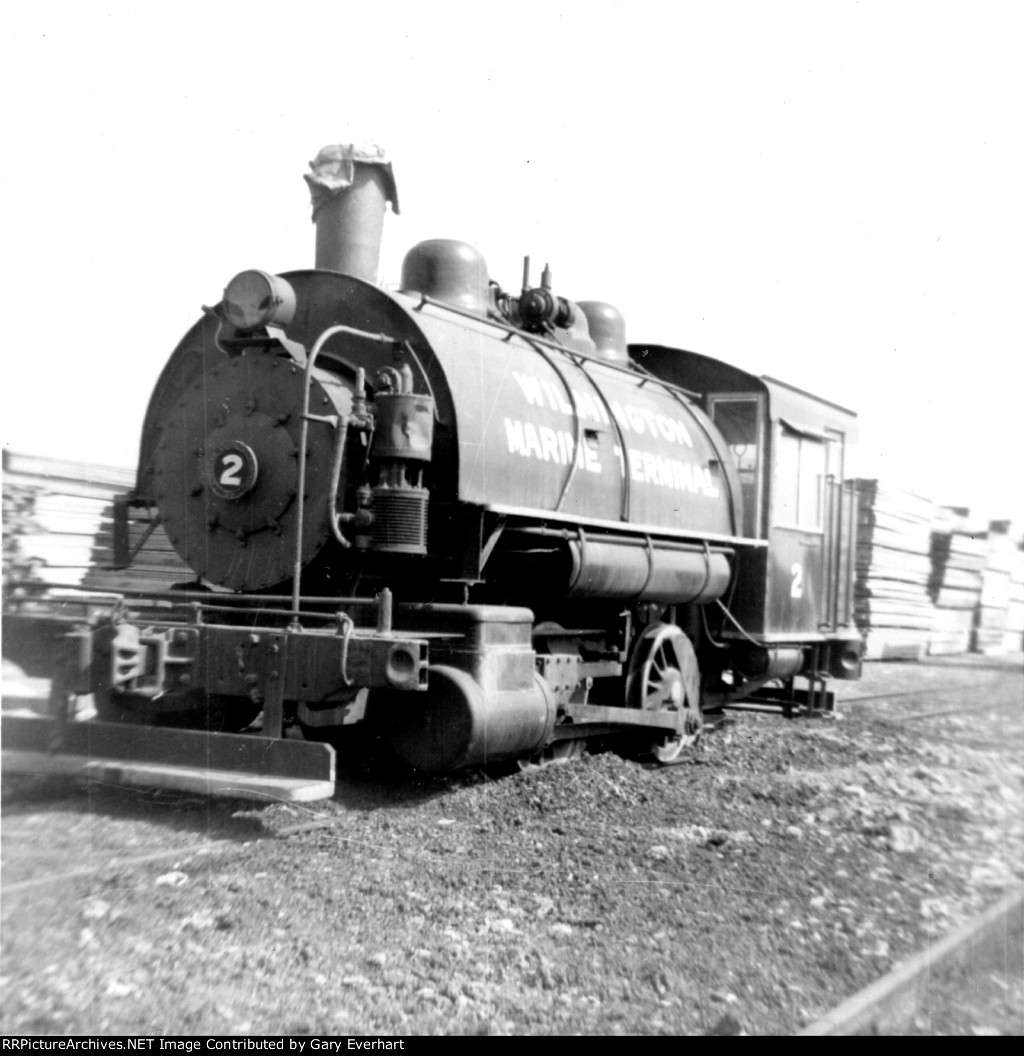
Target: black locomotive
[(478, 520)]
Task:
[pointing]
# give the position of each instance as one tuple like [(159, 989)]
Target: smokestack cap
[(334, 170)]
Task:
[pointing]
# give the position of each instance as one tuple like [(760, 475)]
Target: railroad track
[(899, 695), (891, 1004), (1002, 701)]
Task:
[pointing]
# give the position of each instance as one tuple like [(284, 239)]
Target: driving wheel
[(663, 676)]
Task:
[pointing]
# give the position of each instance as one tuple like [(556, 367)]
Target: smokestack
[(351, 185)]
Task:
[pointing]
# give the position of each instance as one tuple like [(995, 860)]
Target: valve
[(539, 307)]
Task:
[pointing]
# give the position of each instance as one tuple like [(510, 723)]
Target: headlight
[(253, 299)]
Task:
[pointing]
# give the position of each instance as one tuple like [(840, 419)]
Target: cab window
[(738, 420), (800, 467)]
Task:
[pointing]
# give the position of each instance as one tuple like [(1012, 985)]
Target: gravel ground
[(786, 865), (975, 1000)]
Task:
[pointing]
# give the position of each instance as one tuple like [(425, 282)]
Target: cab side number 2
[(796, 590)]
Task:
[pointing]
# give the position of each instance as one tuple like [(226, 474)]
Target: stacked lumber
[(141, 557), (958, 556), (893, 565), (59, 528), (18, 521), (952, 632), (58, 517), (991, 614), (1013, 637)]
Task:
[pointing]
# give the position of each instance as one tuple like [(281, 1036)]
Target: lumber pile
[(991, 616), (1013, 637), (958, 556), (57, 517), (141, 556), (59, 528), (893, 609)]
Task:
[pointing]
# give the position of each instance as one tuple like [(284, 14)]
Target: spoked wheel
[(558, 753), (663, 676)]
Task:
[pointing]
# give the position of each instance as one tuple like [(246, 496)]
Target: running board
[(235, 766)]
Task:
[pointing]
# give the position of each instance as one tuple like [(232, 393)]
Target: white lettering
[(650, 468), (565, 446), (549, 444), (588, 407), (514, 433), (230, 476), (645, 467), (556, 399), (546, 445), (631, 418), (635, 418), (532, 440), (796, 590), (666, 428), (531, 388)]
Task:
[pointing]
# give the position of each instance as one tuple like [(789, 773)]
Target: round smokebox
[(225, 471)]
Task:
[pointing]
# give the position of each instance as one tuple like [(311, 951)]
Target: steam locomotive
[(476, 521)]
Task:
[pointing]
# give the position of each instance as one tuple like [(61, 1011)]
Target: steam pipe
[(304, 439)]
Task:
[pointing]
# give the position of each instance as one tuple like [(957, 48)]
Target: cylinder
[(456, 724)]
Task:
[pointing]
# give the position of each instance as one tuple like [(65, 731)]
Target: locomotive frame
[(481, 525)]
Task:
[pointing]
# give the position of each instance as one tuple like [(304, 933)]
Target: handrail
[(626, 505), (631, 368), (311, 359), (199, 604), (97, 595), (577, 420)]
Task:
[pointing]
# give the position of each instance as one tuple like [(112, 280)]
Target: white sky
[(830, 193)]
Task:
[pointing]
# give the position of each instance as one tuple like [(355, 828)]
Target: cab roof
[(701, 375)]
